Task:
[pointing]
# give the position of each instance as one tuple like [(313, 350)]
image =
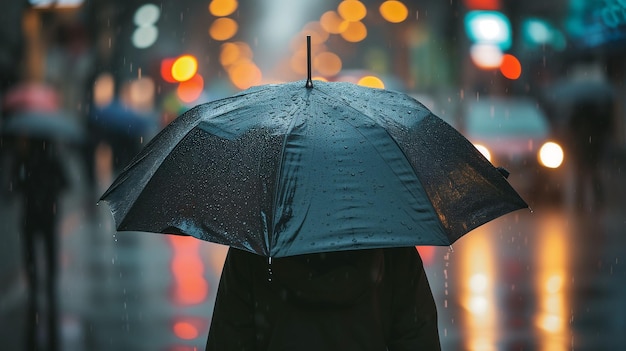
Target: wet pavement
[(551, 279)]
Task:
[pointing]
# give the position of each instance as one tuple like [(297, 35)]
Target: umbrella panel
[(281, 170)]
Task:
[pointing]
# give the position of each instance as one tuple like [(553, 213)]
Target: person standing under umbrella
[(40, 178), (376, 299)]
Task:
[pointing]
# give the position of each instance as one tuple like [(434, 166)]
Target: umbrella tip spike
[(309, 81)]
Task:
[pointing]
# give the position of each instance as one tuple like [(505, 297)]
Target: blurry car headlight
[(483, 150), (551, 155)]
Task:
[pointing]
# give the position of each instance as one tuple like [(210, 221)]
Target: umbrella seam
[(278, 176), (346, 103)]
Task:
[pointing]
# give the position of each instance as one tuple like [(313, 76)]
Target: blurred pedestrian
[(377, 299), (589, 131), (39, 176)]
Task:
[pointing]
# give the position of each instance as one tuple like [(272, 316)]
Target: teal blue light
[(489, 27)]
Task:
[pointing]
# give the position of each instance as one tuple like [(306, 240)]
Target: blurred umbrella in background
[(123, 128), (44, 125), (122, 120), (31, 96), (33, 109)]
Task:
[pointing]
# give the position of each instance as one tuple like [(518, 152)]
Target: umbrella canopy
[(118, 118), (284, 169), (45, 125)]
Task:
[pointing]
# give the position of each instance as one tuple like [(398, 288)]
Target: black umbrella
[(44, 125), (285, 169)]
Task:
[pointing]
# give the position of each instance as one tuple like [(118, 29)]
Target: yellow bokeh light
[(184, 68), (221, 8), (352, 10), (245, 74), (223, 29), (394, 11), (333, 23), (355, 32), (372, 82), (327, 64)]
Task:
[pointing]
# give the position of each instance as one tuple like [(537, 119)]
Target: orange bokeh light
[(298, 62), (393, 11), (355, 32), (244, 74), (190, 90), (189, 287), (232, 52), (352, 10), (185, 330), (510, 67), (221, 8), (333, 23), (223, 29), (327, 64), (316, 31)]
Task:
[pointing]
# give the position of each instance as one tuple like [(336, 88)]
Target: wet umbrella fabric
[(281, 170)]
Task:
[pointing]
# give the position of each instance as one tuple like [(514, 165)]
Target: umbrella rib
[(278, 174), (346, 103)]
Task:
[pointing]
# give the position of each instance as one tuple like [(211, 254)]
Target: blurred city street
[(550, 279)]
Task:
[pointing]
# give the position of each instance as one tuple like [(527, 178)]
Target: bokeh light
[(486, 56), (245, 74), (185, 330), (394, 11), (333, 23), (327, 63), (184, 68), (103, 89), (298, 62), (223, 29), (166, 70), (551, 155), (190, 90), (146, 33), (371, 82), (510, 67), (189, 285), (317, 33), (352, 10), (221, 8), (482, 4), (144, 37), (146, 15), (232, 52), (141, 93), (489, 27), (355, 32)]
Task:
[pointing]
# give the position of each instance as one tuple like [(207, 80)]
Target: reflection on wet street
[(550, 279)]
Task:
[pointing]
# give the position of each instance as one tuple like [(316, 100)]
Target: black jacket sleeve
[(414, 316), (232, 325)]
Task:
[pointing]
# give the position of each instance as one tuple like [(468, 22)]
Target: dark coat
[(354, 300)]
